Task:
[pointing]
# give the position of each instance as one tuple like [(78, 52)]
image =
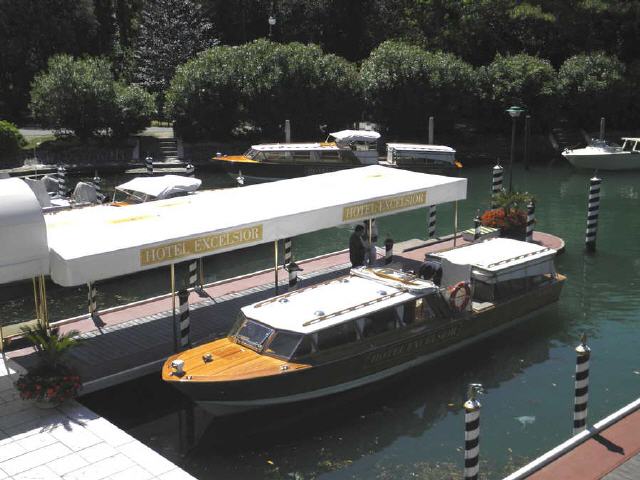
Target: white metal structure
[(427, 154), (602, 156), (158, 188)]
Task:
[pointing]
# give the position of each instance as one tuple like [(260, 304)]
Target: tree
[(171, 32), (11, 140)]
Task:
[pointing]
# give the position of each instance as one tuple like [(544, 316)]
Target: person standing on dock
[(357, 247)]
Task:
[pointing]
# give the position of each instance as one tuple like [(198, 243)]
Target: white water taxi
[(599, 155)]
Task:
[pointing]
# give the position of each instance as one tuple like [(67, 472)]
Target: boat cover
[(23, 238), (99, 242), (348, 136), (163, 186), (417, 147)]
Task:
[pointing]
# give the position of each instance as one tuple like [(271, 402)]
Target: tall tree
[(171, 32)]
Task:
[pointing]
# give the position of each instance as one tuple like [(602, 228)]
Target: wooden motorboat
[(365, 326)]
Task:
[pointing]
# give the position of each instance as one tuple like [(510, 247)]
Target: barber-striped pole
[(193, 273), (431, 222), (388, 251), (593, 210), (496, 184), (476, 226), (183, 327), (293, 269), (62, 181), (148, 163), (583, 353), (472, 433), (287, 252), (91, 298), (531, 220), (97, 185), (190, 170)]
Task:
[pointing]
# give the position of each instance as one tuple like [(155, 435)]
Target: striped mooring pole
[(193, 273), (476, 226), (62, 181), (583, 353), (182, 326), (593, 209), (97, 183), (388, 251), (496, 183), (190, 170), (431, 225), (91, 299), (293, 269), (148, 163), (531, 220), (287, 259), (472, 432)]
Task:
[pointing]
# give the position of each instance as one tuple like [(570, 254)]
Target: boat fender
[(459, 296)]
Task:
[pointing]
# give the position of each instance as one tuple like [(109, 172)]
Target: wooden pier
[(133, 340)]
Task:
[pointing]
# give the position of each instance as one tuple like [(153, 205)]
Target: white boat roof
[(291, 147), (496, 254), (418, 147), (99, 242), (340, 300), (355, 136), (162, 186), (633, 139)]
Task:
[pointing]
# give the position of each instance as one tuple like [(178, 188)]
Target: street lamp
[(514, 112), (272, 22)]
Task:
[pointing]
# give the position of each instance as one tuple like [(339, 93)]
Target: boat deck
[(129, 341)]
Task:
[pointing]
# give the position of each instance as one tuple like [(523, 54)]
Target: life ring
[(459, 296)]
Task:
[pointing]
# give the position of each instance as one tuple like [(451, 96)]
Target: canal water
[(413, 426)]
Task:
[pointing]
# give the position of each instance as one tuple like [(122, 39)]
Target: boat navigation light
[(382, 292), (284, 367), (318, 313), (283, 300), (207, 357), (178, 367)]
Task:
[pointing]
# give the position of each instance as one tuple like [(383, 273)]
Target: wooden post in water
[(527, 133), (431, 130), (581, 397), (472, 433), (602, 124), (593, 210), (287, 131)]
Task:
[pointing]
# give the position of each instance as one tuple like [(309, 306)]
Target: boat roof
[(633, 139), (420, 147), (289, 147), (496, 254), (347, 136), (100, 242), (162, 186), (336, 301)]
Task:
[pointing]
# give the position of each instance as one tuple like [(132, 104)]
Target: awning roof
[(420, 147), (355, 136), (162, 186), (101, 242)]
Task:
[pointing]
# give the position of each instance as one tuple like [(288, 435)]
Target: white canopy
[(100, 242), (419, 147), (347, 136), (23, 237), (161, 187)]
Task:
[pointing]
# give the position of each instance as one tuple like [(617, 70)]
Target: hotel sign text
[(374, 209), (199, 245)]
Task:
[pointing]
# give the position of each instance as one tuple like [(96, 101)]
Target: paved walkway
[(69, 442)]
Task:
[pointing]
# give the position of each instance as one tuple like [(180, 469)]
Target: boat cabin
[(144, 189), (631, 145), (421, 155)]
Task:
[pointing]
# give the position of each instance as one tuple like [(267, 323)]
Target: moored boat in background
[(600, 155)]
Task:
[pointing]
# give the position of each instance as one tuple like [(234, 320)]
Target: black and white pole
[(583, 353), (388, 251), (431, 222), (293, 269), (593, 210), (531, 220), (496, 183), (193, 273), (148, 163), (477, 226), (62, 181), (97, 181), (288, 256), (190, 170), (240, 179), (91, 299), (183, 327), (472, 433)]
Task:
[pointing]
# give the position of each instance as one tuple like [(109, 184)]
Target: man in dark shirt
[(356, 247)]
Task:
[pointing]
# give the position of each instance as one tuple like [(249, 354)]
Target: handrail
[(518, 257)]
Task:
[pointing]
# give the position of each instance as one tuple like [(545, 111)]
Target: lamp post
[(514, 112), (272, 22)]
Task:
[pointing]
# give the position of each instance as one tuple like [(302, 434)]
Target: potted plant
[(51, 381), (510, 216)]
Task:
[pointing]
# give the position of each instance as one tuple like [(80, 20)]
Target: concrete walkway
[(69, 442)]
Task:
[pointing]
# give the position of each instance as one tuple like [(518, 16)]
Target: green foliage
[(591, 85), (403, 84), (82, 96), (521, 80), (11, 140), (50, 345), (510, 201), (262, 83)]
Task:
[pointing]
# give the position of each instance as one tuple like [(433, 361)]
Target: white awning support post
[(40, 298), (275, 264), (455, 223)]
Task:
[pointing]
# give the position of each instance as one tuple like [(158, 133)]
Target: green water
[(413, 427)]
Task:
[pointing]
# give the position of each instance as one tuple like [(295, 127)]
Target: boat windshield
[(251, 153), (284, 344), (252, 334)]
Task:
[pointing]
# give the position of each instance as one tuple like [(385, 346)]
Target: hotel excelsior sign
[(199, 245), (373, 209)]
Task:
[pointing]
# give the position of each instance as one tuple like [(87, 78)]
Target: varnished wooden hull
[(369, 362)]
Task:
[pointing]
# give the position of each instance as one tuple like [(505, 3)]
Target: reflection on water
[(413, 426)]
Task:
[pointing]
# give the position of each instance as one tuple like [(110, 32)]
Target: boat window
[(253, 334), (330, 156), (627, 146), (636, 147), (302, 156), (380, 322), (251, 153), (283, 344), (336, 336), (277, 157), (482, 292), (305, 347)]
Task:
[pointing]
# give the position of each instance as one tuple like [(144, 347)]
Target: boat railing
[(518, 257), (285, 296)]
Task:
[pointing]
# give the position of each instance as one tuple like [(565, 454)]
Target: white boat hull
[(604, 161)]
